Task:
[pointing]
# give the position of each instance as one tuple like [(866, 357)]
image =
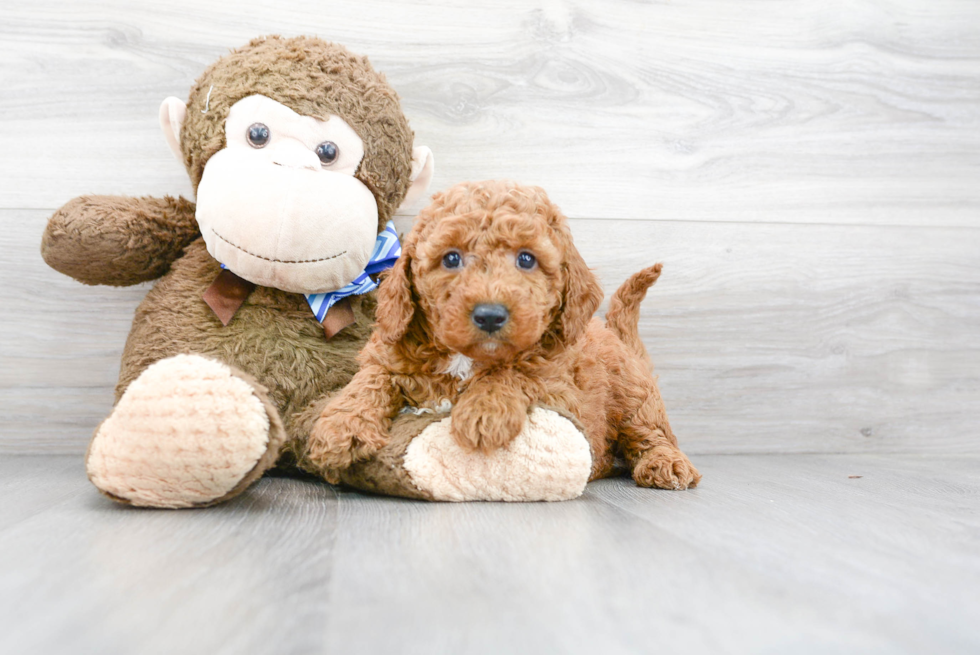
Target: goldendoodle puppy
[(490, 308)]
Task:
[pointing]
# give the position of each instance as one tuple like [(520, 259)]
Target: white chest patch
[(460, 366)]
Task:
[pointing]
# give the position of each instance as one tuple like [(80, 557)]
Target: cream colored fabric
[(423, 168), (292, 133), (275, 215), (293, 229), (172, 114), (184, 433), (549, 460)]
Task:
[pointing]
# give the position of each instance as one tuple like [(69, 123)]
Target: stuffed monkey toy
[(299, 155)]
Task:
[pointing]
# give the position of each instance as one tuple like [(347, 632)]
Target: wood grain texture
[(806, 170), (861, 112), (773, 554), (767, 338)]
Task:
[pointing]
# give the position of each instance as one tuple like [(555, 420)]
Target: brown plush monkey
[(299, 154)]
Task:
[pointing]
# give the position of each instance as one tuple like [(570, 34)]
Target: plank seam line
[(688, 221)]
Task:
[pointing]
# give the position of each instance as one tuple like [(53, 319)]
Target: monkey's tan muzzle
[(267, 223)]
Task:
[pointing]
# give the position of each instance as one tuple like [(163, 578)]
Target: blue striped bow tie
[(386, 251)]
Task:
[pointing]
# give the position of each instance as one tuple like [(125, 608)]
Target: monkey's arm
[(118, 240)]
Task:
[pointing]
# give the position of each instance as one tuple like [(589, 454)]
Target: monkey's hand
[(118, 240), (488, 416)]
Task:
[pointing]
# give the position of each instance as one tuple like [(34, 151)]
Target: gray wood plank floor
[(779, 553), (806, 170)]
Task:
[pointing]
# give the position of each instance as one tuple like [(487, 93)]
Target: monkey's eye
[(452, 259), (526, 261), (327, 152), (258, 135)]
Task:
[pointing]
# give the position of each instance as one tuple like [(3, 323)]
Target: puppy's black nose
[(490, 318)]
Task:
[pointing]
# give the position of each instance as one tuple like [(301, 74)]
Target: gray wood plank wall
[(808, 171)]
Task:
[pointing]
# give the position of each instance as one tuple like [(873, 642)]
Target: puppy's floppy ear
[(395, 306), (581, 297)]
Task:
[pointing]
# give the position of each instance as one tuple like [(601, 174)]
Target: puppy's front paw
[(340, 439), (665, 467), (482, 422)]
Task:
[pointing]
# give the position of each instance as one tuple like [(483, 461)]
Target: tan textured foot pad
[(549, 460), (184, 434)]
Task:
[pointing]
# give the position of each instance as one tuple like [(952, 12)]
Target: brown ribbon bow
[(228, 293)]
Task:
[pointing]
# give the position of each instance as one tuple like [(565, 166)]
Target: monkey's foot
[(188, 432), (549, 460)]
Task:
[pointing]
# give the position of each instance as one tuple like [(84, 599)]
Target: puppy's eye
[(258, 135), (526, 261), (452, 259), (327, 152)]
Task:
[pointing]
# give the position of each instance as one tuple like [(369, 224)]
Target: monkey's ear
[(172, 114), (395, 308), (423, 167)]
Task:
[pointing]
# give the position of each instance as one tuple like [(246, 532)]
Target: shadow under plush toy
[(488, 313), (299, 154)]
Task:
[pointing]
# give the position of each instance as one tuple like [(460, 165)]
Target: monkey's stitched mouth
[(277, 261)]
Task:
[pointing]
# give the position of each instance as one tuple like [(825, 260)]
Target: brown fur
[(274, 339), (274, 335), (117, 240), (384, 472), (624, 310), (313, 78), (551, 352)]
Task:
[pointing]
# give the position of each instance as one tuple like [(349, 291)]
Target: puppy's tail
[(623, 317)]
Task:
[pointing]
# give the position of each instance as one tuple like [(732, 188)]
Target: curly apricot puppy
[(490, 307)]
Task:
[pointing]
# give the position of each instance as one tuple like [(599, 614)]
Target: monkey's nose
[(292, 155), (490, 318)]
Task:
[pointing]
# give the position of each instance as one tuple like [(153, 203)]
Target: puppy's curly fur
[(427, 347)]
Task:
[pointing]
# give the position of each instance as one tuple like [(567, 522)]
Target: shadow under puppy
[(490, 308)]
